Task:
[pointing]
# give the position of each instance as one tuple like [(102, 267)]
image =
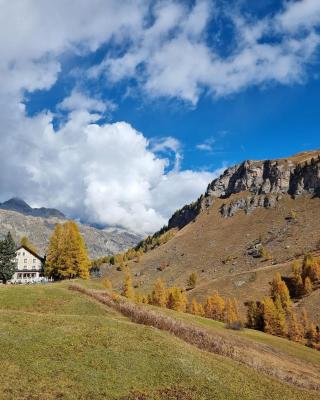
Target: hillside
[(251, 222), (57, 335), (38, 229)]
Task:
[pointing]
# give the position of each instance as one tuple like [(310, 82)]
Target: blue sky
[(112, 106)]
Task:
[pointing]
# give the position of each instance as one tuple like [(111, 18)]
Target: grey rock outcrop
[(262, 184)]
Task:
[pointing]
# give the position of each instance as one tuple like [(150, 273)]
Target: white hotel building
[(29, 267)]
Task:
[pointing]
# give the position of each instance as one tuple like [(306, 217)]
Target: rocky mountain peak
[(19, 205), (262, 184)]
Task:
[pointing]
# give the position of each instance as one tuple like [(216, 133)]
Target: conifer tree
[(231, 313), (127, 290), (312, 333), (281, 323), (214, 307), (159, 295), (280, 289), (67, 255), (196, 308), (297, 279), (254, 315), (274, 317), (295, 329), (24, 241), (7, 258), (177, 299), (192, 280), (269, 316), (304, 322)]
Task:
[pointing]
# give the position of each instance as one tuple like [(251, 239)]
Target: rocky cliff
[(261, 183)]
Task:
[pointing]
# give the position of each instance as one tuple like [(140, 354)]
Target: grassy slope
[(59, 344), (205, 245)]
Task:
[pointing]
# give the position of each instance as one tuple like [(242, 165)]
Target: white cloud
[(104, 174), (110, 173), (300, 14), (183, 65), (80, 101), (207, 145)]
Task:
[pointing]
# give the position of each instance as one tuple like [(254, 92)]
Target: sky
[(119, 113)]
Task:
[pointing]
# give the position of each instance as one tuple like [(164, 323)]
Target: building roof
[(31, 251)]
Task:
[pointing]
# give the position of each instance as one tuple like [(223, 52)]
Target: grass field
[(59, 344)]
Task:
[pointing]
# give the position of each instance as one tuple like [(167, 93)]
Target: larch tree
[(196, 308), (279, 288), (214, 307), (274, 317), (231, 312), (127, 290), (295, 329), (177, 299), (192, 280), (159, 296), (67, 255), (7, 258), (304, 321)]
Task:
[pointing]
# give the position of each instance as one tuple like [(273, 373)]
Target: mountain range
[(251, 222), (37, 224)]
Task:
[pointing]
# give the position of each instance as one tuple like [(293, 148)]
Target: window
[(19, 276), (23, 253), (25, 261)]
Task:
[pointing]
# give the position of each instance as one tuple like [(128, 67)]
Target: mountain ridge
[(19, 205)]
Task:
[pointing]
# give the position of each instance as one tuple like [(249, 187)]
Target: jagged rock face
[(266, 181), (253, 176), (269, 178), (248, 204)]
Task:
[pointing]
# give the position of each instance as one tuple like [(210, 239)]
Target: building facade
[(29, 267)]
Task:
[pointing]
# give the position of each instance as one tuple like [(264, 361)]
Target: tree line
[(66, 258)]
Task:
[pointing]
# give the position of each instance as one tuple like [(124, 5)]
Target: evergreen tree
[(24, 241), (7, 258), (127, 290), (192, 280), (214, 307), (159, 295)]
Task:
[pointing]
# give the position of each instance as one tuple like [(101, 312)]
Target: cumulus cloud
[(109, 172)]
